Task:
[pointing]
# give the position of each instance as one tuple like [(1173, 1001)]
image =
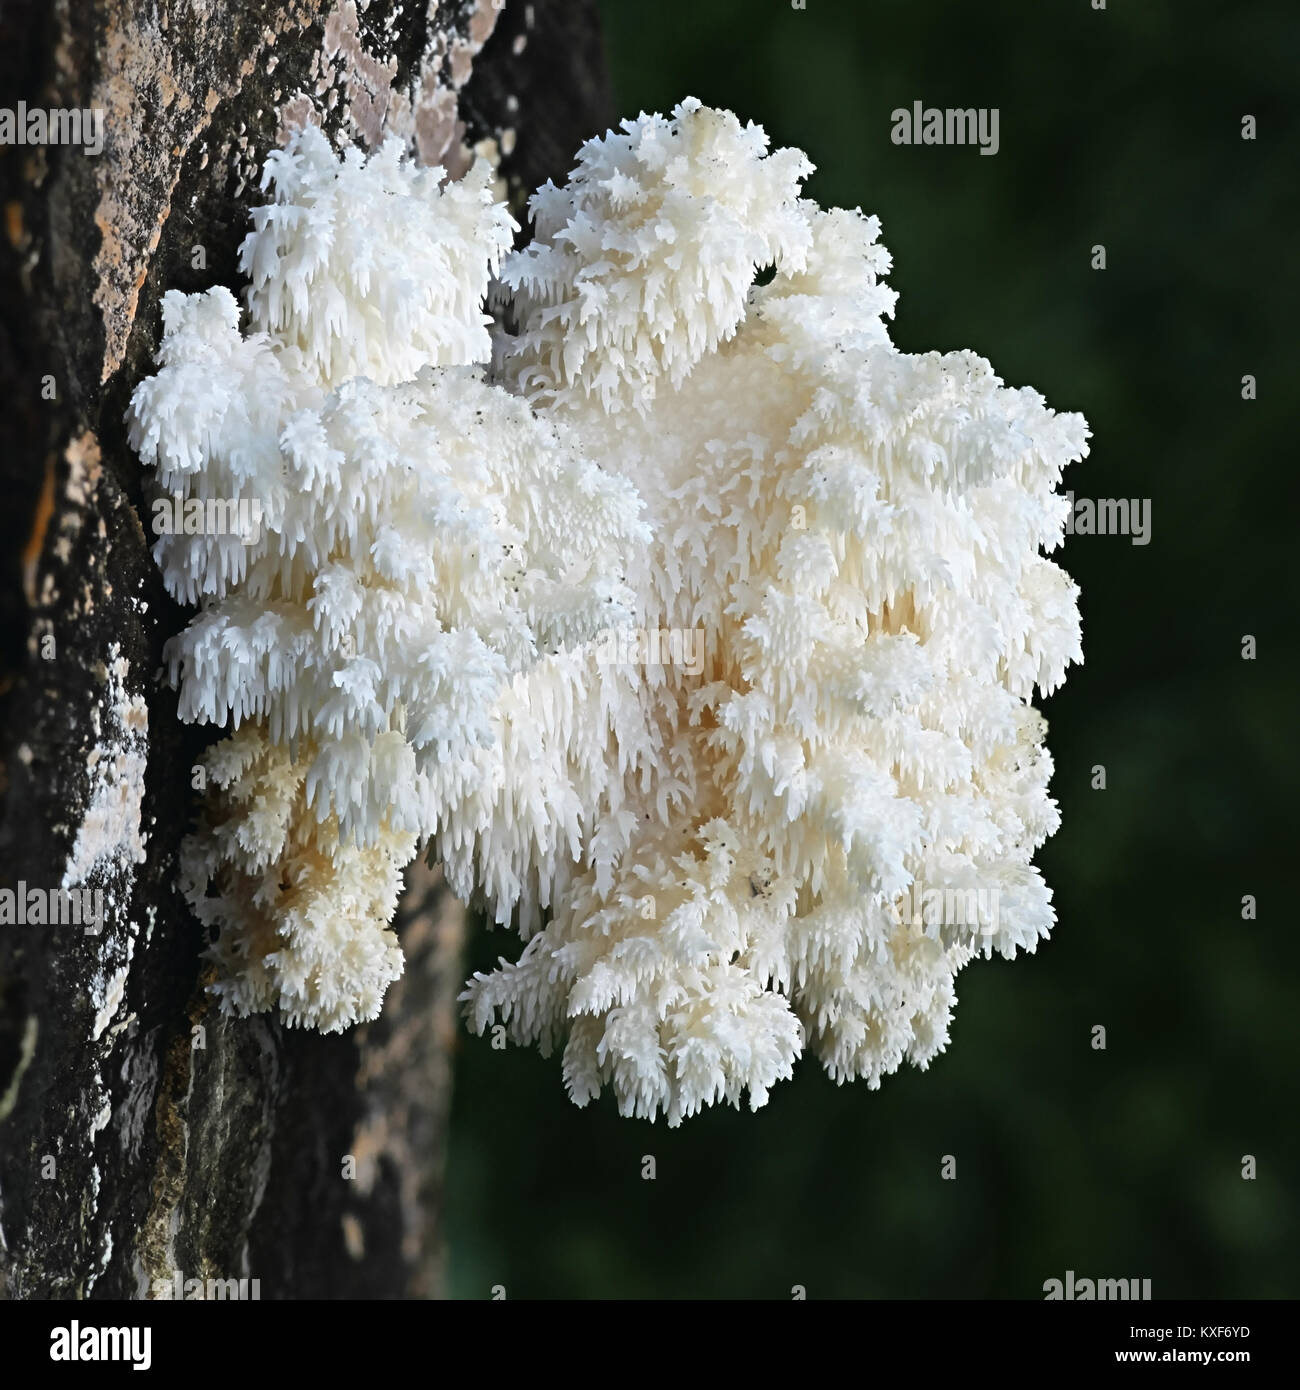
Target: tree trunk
[(144, 1139)]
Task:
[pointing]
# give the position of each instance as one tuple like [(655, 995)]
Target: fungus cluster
[(711, 861)]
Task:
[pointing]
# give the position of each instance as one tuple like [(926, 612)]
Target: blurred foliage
[(1119, 127)]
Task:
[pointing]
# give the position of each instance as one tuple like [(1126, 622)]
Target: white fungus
[(715, 863)]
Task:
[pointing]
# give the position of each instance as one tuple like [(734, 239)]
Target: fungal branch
[(697, 639)]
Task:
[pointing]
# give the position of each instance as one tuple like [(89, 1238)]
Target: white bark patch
[(113, 992), (110, 840)]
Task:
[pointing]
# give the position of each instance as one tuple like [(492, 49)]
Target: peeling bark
[(141, 1134)]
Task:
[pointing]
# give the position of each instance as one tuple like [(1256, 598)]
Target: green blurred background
[(1120, 127)]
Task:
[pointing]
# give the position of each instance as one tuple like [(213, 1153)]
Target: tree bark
[(144, 1139)]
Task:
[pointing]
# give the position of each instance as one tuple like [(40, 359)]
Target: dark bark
[(140, 1133)]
